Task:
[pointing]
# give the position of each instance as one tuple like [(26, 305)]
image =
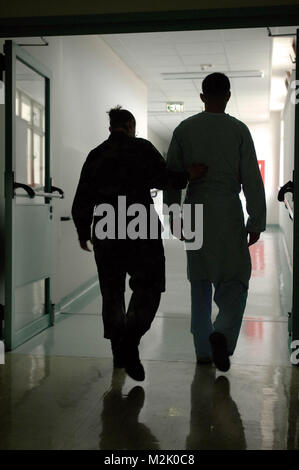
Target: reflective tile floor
[(51, 402), (58, 391)]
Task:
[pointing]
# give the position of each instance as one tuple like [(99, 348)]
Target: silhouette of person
[(121, 428), (215, 422), (225, 145)]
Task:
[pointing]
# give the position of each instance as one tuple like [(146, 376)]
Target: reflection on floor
[(58, 391), (54, 402)]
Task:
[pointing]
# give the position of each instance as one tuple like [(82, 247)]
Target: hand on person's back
[(197, 170), (253, 238)]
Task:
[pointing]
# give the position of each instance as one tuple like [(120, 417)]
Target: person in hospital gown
[(224, 144)]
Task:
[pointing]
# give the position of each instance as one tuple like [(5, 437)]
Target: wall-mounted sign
[(175, 107), (262, 168)]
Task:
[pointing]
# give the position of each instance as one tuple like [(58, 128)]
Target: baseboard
[(76, 297), (273, 227)]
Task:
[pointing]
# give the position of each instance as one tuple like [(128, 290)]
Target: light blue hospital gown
[(225, 145)]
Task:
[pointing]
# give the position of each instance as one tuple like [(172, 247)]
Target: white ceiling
[(150, 55)]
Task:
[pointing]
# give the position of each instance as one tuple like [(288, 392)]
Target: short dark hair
[(216, 84), (120, 117)]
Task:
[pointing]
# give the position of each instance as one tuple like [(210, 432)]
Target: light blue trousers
[(230, 297)]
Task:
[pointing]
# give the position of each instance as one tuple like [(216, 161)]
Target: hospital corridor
[(58, 387)]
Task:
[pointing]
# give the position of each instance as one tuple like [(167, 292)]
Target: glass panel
[(30, 234), (17, 103), (43, 160), (36, 116), (25, 108), (30, 83), (37, 159), (29, 135), (29, 156), (29, 303)]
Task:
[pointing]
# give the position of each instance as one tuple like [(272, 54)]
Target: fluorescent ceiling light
[(166, 113), (201, 75)]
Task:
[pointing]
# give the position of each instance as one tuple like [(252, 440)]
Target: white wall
[(160, 144), (88, 79), (94, 80), (267, 141)]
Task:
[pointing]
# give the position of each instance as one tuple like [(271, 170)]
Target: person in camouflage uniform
[(127, 166)]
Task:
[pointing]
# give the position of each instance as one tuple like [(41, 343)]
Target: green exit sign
[(175, 107)]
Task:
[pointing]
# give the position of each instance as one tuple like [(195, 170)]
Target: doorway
[(294, 316)]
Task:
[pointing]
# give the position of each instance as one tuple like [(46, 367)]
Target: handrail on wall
[(287, 188)]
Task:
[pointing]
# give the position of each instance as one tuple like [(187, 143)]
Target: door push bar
[(31, 193), (286, 188)]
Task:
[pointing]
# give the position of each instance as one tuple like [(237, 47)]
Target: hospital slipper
[(219, 351)]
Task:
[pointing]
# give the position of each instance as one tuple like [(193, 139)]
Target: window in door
[(32, 115)]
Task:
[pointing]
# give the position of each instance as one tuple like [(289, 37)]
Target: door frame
[(205, 19), (295, 291), (150, 21), (14, 52)]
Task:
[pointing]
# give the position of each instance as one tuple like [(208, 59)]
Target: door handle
[(58, 190), (286, 188), (28, 189)]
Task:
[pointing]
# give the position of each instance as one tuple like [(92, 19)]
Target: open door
[(28, 197), (295, 309), (289, 194)]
